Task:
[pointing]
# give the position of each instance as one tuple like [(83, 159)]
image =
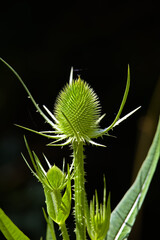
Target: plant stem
[(79, 190), (64, 231)]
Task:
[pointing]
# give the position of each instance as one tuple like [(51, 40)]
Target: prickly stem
[(79, 190)]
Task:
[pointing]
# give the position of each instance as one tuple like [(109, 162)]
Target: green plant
[(76, 121)]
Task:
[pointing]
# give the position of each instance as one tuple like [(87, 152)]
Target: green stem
[(79, 190), (64, 231)]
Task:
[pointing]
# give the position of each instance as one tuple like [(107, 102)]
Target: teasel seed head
[(77, 110)]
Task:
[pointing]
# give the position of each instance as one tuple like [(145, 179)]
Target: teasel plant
[(75, 121)]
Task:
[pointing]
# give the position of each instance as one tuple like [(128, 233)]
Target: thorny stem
[(64, 231), (79, 190)]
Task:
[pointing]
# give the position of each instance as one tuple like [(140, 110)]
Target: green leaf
[(50, 233), (124, 215), (114, 123), (123, 100), (9, 229), (65, 207)]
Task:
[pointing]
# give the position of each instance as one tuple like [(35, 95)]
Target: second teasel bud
[(58, 204)]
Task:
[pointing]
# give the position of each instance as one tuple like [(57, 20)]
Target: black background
[(42, 40)]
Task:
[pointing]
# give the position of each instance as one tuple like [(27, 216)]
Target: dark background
[(42, 40)]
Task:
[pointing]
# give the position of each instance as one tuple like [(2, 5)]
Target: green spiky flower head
[(77, 110), (76, 114)]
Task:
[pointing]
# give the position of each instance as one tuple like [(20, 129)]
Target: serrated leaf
[(124, 215), (9, 229)]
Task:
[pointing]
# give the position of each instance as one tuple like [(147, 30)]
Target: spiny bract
[(77, 110)]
